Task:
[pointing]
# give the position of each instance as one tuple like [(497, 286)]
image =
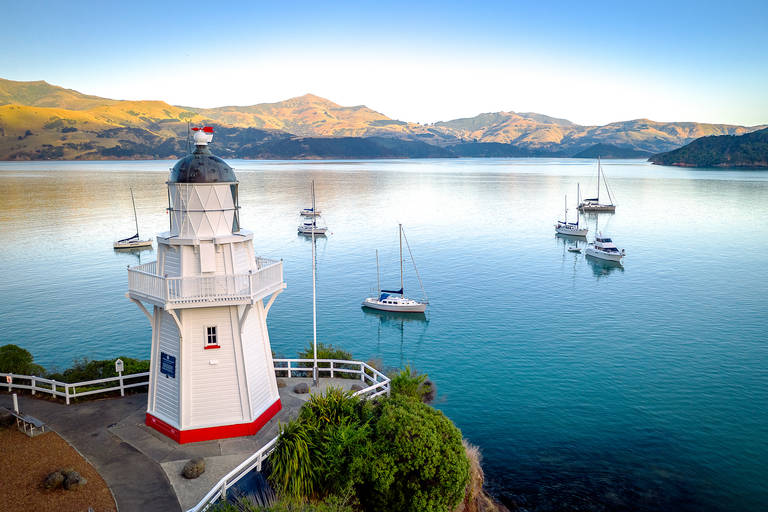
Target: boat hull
[(597, 208), (572, 232), (594, 253), (132, 245), (308, 231), (410, 307)]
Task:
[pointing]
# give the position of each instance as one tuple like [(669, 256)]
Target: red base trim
[(196, 435)]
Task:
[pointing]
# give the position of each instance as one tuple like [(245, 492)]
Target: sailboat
[(309, 222), (564, 227), (593, 204), (133, 241), (395, 300)]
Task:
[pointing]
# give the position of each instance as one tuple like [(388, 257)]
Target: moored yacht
[(593, 204), (309, 224), (564, 227), (603, 248), (395, 300)]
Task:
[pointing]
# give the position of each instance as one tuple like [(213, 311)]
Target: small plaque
[(119, 366), (8, 379), (168, 365)]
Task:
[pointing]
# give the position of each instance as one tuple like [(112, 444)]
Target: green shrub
[(330, 352), (410, 383), (84, 369), (293, 473), (418, 462), (14, 359)]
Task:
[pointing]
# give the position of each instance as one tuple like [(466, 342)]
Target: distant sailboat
[(133, 241), (593, 204), (564, 227), (310, 225), (395, 300)]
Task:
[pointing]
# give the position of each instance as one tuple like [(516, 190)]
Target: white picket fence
[(69, 390)]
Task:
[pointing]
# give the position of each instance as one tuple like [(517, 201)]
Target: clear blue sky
[(592, 62)]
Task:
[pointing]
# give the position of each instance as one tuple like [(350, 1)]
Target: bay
[(587, 387)]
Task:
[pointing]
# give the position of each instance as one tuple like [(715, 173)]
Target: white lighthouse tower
[(211, 373)]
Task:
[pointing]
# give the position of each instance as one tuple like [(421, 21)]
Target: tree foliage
[(14, 359)]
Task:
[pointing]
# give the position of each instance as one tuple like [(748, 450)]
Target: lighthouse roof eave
[(168, 238), (202, 167)]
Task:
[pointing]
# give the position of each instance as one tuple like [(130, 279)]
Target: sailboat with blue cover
[(395, 300)]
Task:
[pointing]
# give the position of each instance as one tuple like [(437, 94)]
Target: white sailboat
[(133, 241), (309, 224), (593, 204), (564, 227), (395, 300)]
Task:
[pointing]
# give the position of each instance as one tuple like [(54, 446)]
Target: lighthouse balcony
[(146, 285)]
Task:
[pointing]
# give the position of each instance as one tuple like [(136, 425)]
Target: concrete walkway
[(143, 467)]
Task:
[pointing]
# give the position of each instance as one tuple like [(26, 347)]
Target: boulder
[(194, 468), (73, 480), (356, 387), (301, 388), (54, 480)]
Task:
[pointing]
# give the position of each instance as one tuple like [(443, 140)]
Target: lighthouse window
[(211, 340)]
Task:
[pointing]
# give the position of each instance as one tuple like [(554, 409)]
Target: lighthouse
[(207, 297)]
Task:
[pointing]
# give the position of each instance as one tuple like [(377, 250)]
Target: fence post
[(289, 370), (362, 372), (122, 389), (33, 384), (331, 369), (53, 388), (66, 392), (224, 490), (9, 379)]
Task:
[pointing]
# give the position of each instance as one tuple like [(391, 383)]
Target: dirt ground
[(24, 464)]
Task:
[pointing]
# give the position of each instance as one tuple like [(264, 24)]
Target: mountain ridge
[(41, 120)]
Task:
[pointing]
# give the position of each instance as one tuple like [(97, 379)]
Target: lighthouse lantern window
[(211, 340)]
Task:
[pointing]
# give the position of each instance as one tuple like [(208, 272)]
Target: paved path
[(138, 482)]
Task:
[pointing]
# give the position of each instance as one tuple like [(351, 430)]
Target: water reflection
[(603, 268)]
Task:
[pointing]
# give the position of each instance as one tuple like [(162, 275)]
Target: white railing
[(378, 385), (68, 390), (145, 283)]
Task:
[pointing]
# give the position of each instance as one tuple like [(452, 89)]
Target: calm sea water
[(588, 387)]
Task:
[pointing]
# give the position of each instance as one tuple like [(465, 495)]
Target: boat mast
[(135, 218), (566, 209), (402, 288), (314, 212), (378, 281), (578, 198), (598, 179)]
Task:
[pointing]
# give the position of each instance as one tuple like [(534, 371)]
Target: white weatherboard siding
[(167, 397), (262, 386), (242, 260), (171, 260), (214, 388)]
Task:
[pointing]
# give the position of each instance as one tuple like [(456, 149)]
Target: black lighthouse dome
[(202, 166)]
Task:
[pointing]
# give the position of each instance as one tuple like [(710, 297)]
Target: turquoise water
[(588, 387)]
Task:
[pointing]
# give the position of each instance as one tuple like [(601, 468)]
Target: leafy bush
[(331, 504), (410, 383), (14, 359), (85, 369), (418, 463), (330, 352), (397, 454)]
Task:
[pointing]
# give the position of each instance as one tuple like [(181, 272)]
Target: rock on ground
[(301, 388), (194, 468)]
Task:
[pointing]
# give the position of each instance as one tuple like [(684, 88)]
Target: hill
[(610, 151), (39, 120), (748, 151)]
